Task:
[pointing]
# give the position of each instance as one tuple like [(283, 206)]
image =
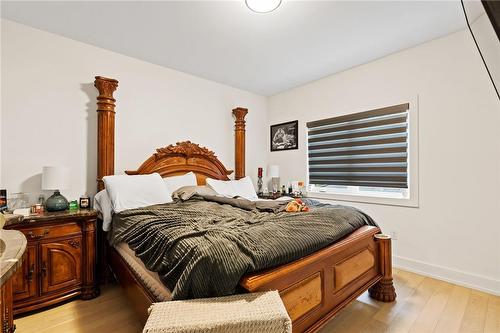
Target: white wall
[(49, 110), (455, 231)]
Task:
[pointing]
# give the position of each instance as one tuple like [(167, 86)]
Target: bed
[(313, 288)]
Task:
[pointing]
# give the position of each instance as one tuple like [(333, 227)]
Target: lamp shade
[(55, 178), (274, 171)]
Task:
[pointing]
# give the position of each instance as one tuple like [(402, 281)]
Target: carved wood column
[(105, 128), (90, 289), (384, 289), (239, 142)]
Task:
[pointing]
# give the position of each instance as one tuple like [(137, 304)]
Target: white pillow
[(176, 182), (128, 192), (102, 203), (234, 188), (221, 187), (244, 188)]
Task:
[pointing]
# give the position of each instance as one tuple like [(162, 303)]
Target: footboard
[(316, 287)]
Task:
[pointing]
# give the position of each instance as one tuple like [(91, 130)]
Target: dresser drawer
[(53, 231)]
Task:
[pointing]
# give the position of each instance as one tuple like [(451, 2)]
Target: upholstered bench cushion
[(245, 313)]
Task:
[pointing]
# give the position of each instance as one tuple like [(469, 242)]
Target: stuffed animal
[(296, 205)]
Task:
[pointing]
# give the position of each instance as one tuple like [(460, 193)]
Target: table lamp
[(55, 178), (274, 173)]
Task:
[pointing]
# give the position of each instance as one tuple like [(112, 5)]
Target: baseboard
[(468, 280)]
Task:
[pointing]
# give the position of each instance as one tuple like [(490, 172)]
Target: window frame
[(413, 191)]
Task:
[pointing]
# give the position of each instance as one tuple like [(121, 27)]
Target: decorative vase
[(56, 202), (260, 183)]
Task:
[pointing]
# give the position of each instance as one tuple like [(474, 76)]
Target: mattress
[(150, 280)]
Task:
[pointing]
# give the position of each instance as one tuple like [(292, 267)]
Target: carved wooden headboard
[(181, 158), (169, 161)]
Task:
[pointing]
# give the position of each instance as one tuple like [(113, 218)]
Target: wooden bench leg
[(384, 289)]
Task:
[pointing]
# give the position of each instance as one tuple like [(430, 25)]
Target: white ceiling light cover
[(263, 6)]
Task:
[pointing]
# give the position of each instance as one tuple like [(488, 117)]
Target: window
[(363, 154)]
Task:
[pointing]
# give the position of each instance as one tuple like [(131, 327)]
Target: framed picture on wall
[(285, 136)]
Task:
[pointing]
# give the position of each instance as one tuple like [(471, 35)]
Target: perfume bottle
[(259, 181)]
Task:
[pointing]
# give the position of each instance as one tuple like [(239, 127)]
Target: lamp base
[(276, 184), (56, 202)]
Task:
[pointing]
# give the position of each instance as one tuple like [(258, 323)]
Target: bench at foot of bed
[(245, 313)]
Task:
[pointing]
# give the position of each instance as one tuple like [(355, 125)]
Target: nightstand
[(60, 260)]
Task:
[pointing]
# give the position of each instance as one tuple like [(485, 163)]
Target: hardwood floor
[(109, 312), (423, 305)]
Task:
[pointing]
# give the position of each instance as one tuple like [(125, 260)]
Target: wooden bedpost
[(105, 160), (239, 142), (105, 128), (384, 289)]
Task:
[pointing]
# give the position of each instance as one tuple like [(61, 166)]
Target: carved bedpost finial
[(105, 128), (240, 114), (106, 87), (239, 142)]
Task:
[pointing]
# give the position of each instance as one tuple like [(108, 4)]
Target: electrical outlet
[(394, 235)]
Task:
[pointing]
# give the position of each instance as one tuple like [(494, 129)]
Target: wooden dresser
[(60, 260), (12, 250)]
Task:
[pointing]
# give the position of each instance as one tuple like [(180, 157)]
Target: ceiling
[(225, 42)]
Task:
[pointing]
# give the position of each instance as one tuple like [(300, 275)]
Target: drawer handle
[(31, 235), (29, 276), (44, 268), (74, 243)]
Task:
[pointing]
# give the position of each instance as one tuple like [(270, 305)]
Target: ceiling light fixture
[(263, 6)]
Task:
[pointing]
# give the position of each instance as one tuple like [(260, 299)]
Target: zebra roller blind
[(361, 149)]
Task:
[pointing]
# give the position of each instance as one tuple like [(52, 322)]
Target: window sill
[(405, 202)]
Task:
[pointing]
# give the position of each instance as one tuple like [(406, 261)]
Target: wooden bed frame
[(313, 288)]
